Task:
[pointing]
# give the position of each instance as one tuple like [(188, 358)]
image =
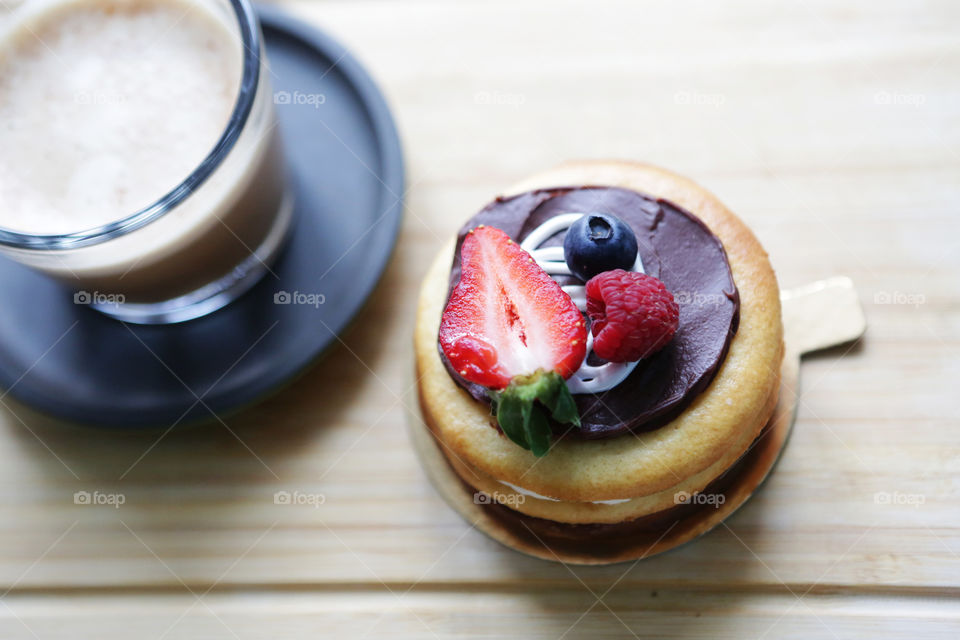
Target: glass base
[(215, 295)]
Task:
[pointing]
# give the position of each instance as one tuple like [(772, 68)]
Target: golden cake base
[(817, 316)]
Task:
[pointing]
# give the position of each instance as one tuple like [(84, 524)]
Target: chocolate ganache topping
[(676, 247)]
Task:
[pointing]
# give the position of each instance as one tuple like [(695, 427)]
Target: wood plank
[(568, 613), (833, 131)]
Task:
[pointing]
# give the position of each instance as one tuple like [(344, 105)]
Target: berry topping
[(599, 242), (632, 315), (509, 327)]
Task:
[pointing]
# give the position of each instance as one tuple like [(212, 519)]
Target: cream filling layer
[(588, 378), (537, 496)]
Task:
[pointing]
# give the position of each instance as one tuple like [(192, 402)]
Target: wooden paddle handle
[(822, 314)]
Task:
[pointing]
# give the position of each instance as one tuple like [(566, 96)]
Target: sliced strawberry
[(509, 327), (507, 317)]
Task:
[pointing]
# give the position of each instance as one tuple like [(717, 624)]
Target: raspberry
[(632, 315)]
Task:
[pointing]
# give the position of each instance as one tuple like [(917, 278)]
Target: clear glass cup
[(209, 238)]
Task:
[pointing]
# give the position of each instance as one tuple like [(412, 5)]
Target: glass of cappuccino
[(140, 162)]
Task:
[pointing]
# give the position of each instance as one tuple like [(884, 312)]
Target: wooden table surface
[(833, 128)]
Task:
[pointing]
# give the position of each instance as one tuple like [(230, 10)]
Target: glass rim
[(249, 83)]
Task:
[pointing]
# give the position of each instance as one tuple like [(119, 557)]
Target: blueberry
[(599, 242)]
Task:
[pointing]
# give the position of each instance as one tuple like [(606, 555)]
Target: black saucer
[(70, 361)]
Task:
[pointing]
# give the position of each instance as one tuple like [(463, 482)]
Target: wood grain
[(832, 129)]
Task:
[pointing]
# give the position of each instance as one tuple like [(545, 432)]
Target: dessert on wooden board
[(586, 353)]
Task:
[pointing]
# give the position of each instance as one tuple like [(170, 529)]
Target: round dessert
[(602, 340)]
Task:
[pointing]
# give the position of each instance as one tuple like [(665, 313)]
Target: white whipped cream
[(534, 494), (586, 379)]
